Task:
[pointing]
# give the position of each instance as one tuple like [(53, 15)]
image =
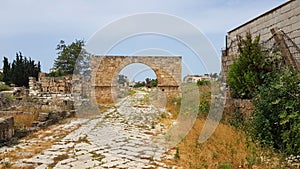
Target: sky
[(35, 27)]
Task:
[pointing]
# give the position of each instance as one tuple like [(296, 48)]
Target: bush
[(244, 75), (4, 87), (277, 111), (203, 83)]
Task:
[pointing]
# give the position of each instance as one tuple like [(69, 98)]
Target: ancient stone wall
[(105, 70), (285, 17), (51, 84), (6, 128), (242, 106)]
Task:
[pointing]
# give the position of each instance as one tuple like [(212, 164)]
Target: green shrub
[(277, 111), (224, 166), (244, 75), (203, 83), (4, 87)]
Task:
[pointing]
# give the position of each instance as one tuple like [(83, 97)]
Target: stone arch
[(105, 69)]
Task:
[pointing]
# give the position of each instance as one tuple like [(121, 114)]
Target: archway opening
[(136, 78), (133, 77)]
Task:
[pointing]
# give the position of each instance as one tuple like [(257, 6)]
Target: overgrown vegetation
[(147, 83), (4, 87), (205, 99), (275, 90), (203, 83), (277, 111), (245, 74)]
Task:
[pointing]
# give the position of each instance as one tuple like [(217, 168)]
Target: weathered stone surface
[(50, 84), (6, 128), (105, 70)]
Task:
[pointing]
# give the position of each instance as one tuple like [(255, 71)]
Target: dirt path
[(122, 137)]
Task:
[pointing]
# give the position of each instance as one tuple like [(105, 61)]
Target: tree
[(1, 76), (67, 56), (151, 82), (6, 71), (20, 70)]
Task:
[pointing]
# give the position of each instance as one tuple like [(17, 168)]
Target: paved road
[(122, 137)]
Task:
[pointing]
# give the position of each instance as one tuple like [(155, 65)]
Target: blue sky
[(35, 27)]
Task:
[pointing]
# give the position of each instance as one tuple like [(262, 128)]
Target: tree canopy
[(67, 56), (20, 70)]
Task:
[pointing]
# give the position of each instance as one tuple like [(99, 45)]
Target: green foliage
[(139, 84), (237, 120), (177, 155), (204, 105), (4, 87), (1, 77), (151, 82), (203, 83), (277, 111), (148, 83), (56, 73), (244, 75), (205, 101), (67, 56), (20, 70), (224, 166), (275, 90)]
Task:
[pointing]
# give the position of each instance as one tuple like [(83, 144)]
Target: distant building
[(195, 78), (1, 70)]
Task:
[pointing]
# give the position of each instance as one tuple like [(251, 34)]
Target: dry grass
[(58, 159), (227, 146), (24, 120)]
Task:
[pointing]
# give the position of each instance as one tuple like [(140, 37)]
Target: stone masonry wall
[(285, 17), (105, 70), (51, 84)]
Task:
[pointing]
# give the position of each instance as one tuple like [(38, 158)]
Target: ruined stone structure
[(6, 128), (285, 18), (45, 84), (105, 71)]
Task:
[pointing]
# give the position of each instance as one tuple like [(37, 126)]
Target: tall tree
[(67, 56), (20, 70), (6, 70)]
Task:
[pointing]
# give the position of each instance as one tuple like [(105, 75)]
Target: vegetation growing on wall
[(277, 111), (275, 90), (245, 74)]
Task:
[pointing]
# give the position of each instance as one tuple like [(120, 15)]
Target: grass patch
[(96, 156), (24, 120), (83, 140), (58, 159)]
